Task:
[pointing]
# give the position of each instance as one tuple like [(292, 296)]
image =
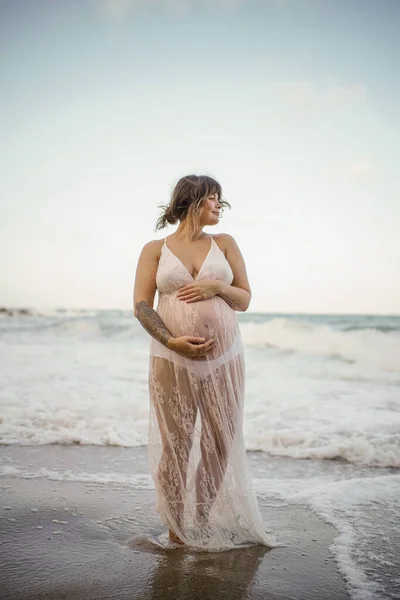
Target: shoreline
[(73, 539)]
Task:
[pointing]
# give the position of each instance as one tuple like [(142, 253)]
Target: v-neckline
[(179, 260)]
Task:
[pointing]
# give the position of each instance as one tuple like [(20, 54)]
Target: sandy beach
[(71, 539)]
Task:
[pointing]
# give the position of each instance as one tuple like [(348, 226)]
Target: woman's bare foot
[(174, 538)]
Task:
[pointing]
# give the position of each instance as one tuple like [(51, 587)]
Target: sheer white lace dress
[(197, 456)]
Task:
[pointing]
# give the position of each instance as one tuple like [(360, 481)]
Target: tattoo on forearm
[(152, 322), (229, 300)]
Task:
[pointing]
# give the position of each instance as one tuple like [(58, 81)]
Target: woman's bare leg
[(176, 412), (219, 407), (211, 469)]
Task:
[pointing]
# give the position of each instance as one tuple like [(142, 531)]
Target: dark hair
[(186, 200)]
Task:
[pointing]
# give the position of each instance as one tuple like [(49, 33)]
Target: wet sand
[(84, 540)]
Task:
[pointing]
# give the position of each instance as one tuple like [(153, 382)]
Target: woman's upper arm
[(236, 261), (145, 278)]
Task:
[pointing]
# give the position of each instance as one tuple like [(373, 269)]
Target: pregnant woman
[(197, 455)]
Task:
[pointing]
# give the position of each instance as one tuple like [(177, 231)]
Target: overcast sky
[(293, 105)]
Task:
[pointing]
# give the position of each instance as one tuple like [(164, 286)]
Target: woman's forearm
[(152, 322), (237, 298)]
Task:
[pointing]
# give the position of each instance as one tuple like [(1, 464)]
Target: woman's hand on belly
[(190, 346), (199, 290)]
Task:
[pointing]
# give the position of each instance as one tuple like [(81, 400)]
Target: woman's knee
[(214, 445), (176, 448)]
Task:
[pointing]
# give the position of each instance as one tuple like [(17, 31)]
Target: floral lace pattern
[(197, 456)]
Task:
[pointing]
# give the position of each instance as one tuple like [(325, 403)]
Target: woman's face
[(211, 209)]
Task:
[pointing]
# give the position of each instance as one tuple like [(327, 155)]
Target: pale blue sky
[(291, 104)]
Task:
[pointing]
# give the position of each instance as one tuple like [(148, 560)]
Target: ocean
[(321, 416)]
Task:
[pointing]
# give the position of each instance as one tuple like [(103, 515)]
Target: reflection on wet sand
[(181, 573)]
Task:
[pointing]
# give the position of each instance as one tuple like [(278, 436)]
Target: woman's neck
[(185, 235)]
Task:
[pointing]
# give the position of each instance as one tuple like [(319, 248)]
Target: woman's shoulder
[(153, 247), (223, 236), (224, 240)]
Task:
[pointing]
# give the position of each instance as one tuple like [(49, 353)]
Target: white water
[(316, 387)]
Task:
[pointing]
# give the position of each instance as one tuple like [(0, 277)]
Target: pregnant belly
[(211, 318)]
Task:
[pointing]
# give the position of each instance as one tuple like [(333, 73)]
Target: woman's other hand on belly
[(199, 290)]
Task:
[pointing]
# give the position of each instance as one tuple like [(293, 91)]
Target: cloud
[(307, 101), (121, 8), (310, 94), (358, 170)]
